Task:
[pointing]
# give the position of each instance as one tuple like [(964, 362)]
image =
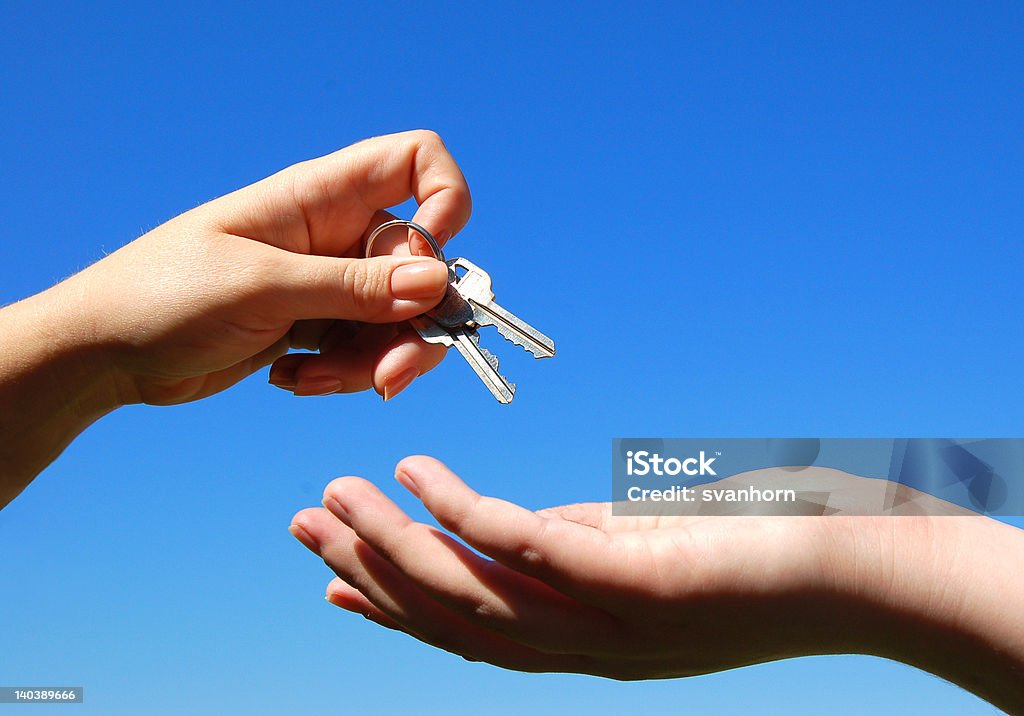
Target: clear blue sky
[(734, 219)]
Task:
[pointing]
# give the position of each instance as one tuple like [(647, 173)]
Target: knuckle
[(531, 556), (309, 186), (530, 551), (458, 519), (484, 611), (427, 136), (363, 282), (404, 542), (337, 553), (488, 614), (460, 193)]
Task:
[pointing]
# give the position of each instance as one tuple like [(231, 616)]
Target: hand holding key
[(215, 294), (468, 305)]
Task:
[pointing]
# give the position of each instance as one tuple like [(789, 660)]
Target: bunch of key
[(469, 304)]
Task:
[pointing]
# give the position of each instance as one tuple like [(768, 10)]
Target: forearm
[(54, 382), (951, 602)]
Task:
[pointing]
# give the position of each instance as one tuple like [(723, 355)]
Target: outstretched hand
[(576, 589), (573, 588)]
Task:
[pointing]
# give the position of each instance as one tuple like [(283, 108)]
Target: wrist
[(55, 380), (938, 593), (64, 333)]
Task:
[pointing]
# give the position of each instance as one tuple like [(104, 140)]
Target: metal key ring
[(438, 253)]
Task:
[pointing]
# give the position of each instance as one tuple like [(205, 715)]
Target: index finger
[(575, 559), (388, 170), (324, 206)]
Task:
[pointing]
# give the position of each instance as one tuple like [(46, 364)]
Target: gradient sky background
[(742, 221)]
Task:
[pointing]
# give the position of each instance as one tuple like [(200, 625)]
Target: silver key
[(467, 305), (467, 342), (475, 287)]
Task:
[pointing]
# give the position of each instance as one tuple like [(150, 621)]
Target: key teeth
[(512, 337), (491, 358)]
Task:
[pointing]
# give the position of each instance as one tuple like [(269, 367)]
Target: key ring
[(438, 253)]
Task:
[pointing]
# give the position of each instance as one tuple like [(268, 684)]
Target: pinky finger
[(343, 595)]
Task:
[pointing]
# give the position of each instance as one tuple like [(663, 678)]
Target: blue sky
[(734, 219)]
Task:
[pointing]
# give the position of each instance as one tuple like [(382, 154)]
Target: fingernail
[(340, 600), (396, 384), (406, 481), (421, 279), (337, 509), (282, 377), (299, 532), (317, 386)]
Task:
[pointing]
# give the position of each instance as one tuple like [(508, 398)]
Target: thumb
[(382, 289)]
